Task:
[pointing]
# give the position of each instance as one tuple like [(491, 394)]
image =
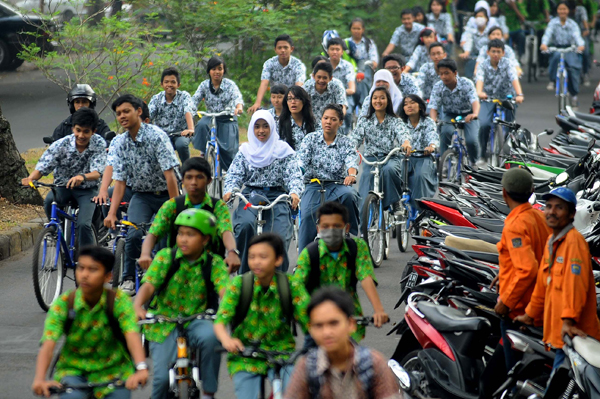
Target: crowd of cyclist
[(308, 133)]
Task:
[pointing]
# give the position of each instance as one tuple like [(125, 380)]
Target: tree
[(12, 170)]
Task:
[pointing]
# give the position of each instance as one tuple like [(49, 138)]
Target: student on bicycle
[(473, 38), (421, 54), (277, 95), (335, 370), (441, 22), (283, 69), (297, 118), (265, 167), (218, 94), (143, 158), (406, 36), (582, 19), (197, 175), (172, 111), (265, 320), (184, 293), (366, 57), (500, 18), (323, 90), (93, 351), (345, 72), (515, 13), (496, 79), (455, 96), (379, 131), (428, 75), (563, 32), (407, 83), (77, 161), (383, 78), (493, 34), (79, 96), (327, 155), (419, 14), (420, 133)]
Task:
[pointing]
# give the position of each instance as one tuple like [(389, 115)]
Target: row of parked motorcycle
[(449, 344)]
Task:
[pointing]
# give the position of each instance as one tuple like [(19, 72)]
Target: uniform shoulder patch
[(516, 242), (576, 269)]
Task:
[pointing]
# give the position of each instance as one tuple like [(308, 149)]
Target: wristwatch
[(235, 251), (351, 175), (141, 366), (83, 175)]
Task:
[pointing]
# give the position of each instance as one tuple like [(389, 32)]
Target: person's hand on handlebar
[(380, 318), (75, 181), (187, 133), (102, 197), (232, 345), (42, 387), (238, 110), (295, 200), (430, 149), (226, 197), (483, 95), (543, 48), (470, 117), (580, 49), (139, 378), (111, 221), (26, 181), (406, 147)]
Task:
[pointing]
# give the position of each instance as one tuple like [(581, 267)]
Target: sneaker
[(574, 103), (586, 80), (551, 86), (128, 287), (481, 163)]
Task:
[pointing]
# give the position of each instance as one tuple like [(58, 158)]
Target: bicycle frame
[(213, 142), (69, 220), (260, 222), (458, 146), (562, 70)]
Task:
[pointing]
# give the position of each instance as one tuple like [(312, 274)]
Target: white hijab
[(259, 154), (483, 4), (385, 75)]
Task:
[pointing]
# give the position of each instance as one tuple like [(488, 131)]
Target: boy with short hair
[(345, 72), (455, 96), (324, 91), (184, 280), (496, 78), (77, 161), (334, 260), (277, 95), (94, 351), (284, 69), (265, 320), (428, 75), (171, 110), (339, 368), (197, 176), (406, 36)]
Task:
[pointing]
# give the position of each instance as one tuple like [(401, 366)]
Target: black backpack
[(285, 298), (215, 245), (212, 296), (314, 275)]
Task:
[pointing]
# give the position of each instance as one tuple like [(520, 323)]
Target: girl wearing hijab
[(383, 78), (265, 167), (380, 132)]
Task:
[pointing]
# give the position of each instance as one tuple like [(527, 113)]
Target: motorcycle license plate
[(412, 280)]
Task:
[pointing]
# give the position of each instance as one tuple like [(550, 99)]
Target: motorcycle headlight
[(401, 374)]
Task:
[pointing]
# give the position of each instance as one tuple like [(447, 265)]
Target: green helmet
[(199, 219)]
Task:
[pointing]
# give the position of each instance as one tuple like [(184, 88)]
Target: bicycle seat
[(447, 319), (493, 225)]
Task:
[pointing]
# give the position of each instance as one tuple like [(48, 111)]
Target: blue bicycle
[(562, 76), (495, 143), (451, 161), (53, 255), (213, 153)]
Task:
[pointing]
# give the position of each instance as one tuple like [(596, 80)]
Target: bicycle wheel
[(449, 166), (119, 263), (387, 234), (184, 389), (402, 231), (562, 97), (496, 157), (48, 269), (371, 229), (213, 187)]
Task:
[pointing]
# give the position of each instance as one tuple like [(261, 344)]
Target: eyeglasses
[(393, 69), (293, 99)]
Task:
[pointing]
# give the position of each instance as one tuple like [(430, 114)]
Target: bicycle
[(376, 223), (57, 256), (184, 374), (451, 161), (562, 76), (88, 386), (262, 207), (495, 143), (213, 152), (531, 49)]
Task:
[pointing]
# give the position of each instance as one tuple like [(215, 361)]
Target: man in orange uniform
[(564, 292), (520, 252)]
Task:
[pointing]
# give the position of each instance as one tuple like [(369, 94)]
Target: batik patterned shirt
[(327, 161), (361, 52), (63, 158), (427, 78), (408, 85), (559, 35), (442, 25), (457, 101), (509, 54), (228, 96), (406, 41), (345, 73), (418, 58), (289, 75), (379, 138), (334, 94), (497, 82), (170, 117), (421, 136)]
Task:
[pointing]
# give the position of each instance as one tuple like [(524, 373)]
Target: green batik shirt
[(90, 349), (186, 292), (335, 272), (166, 215), (264, 321), (512, 21)]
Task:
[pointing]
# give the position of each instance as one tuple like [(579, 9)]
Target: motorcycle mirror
[(109, 136), (561, 178), (48, 140), (401, 374), (591, 144), (533, 199), (549, 132), (508, 105)]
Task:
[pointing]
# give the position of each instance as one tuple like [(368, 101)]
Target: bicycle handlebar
[(228, 111), (86, 386), (562, 50), (379, 163), (282, 197), (322, 181), (153, 319)]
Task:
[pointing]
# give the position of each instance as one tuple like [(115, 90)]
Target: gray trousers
[(228, 138), (390, 180)]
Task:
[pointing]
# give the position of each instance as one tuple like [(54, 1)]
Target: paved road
[(33, 106)]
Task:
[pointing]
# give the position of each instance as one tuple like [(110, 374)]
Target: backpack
[(212, 298), (314, 275), (215, 245), (109, 309), (364, 369), (285, 298)]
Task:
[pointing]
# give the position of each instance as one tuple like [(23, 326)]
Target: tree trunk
[(12, 170)]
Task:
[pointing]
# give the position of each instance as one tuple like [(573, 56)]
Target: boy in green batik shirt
[(91, 353), (265, 321)]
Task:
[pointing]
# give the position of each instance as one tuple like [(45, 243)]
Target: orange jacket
[(565, 288), (520, 252)]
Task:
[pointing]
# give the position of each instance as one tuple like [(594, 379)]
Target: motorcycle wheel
[(411, 363)]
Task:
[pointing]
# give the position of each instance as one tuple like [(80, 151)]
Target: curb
[(19, 239)]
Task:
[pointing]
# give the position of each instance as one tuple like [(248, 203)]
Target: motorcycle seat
[(493, 225), (448, 204), (587, 117), (589, 349), (447, 319)]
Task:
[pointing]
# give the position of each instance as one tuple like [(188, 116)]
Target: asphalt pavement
[(34, 107)]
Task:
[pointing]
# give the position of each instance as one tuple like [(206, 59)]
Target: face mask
[(332, 237), (480, 21)]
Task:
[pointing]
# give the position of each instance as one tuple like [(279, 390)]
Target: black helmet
[(81, 91)]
